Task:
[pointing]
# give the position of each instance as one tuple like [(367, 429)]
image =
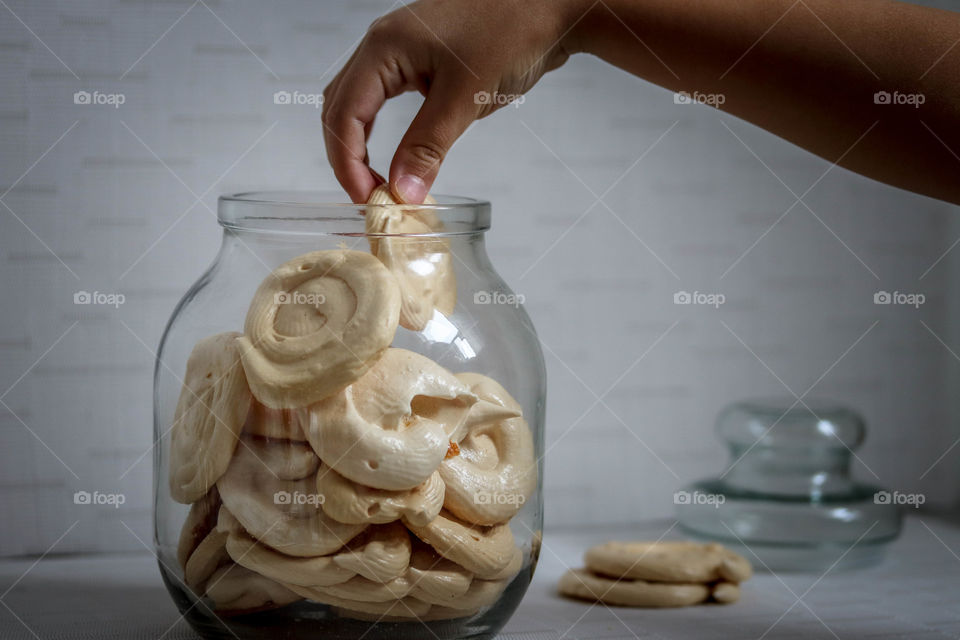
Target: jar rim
[(322, 212)]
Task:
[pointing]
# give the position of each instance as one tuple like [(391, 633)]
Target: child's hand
[(466, 57)]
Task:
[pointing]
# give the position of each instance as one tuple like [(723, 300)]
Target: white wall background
[(112, 206)]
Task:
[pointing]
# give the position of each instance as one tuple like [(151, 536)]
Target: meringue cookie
[(201, 520), (402, 237), (249, 553), (725, 592), (405, 608), (350, 502), (235, 590), (210, 413), (480, 594), (484, 551), (283, 514), (275, 424), (286, 459), (210, 555), (496, 471), (316, 324), (381, 553), (433, 576), (370, 431), (582, 584), (668, 561), (361, 589)]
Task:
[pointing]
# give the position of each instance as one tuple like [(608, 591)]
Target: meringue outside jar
[(349, 410)]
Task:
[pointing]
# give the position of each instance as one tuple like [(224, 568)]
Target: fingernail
[(411, 189)]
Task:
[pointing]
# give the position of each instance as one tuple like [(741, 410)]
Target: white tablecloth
[(915, 594)]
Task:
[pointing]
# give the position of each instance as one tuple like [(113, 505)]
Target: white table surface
[(914, 593)]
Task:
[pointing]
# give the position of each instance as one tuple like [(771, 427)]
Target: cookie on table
[(584, 585), (668, 561)]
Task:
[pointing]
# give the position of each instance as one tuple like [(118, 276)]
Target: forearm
[(806, 71)]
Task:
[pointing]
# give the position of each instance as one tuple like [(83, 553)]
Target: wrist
[(578, 24)]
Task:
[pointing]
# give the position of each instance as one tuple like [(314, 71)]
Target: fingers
[(355, 97), (446, 113)]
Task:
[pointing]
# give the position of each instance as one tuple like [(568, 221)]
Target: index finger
[(357, 95)]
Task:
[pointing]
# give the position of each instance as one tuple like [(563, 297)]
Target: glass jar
[(349, 421), (787, 498)]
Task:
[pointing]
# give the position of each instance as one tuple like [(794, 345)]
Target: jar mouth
[(323, 213)]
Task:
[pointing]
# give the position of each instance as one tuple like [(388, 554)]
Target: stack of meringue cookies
[(657, 574), (321, 463)]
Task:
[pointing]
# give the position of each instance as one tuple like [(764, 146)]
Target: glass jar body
[(230, 574)]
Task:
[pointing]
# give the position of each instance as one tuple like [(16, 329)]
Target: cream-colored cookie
[(480, 594), (512, 568), (286, 459), (210, 413), (496, 471), (484, 551), (210, 555), (437, 613), (283, 514), (381, 553), (362, 589), (316, 324), (351, 502), (726, 592), (370, 432), (236, 590), (667, 561), (249, 553), (403, 608), (275, 424), (403, 238), (582, 584), (201, 520), (433, 576)]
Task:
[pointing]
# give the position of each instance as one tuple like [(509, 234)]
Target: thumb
[(446, 113)]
